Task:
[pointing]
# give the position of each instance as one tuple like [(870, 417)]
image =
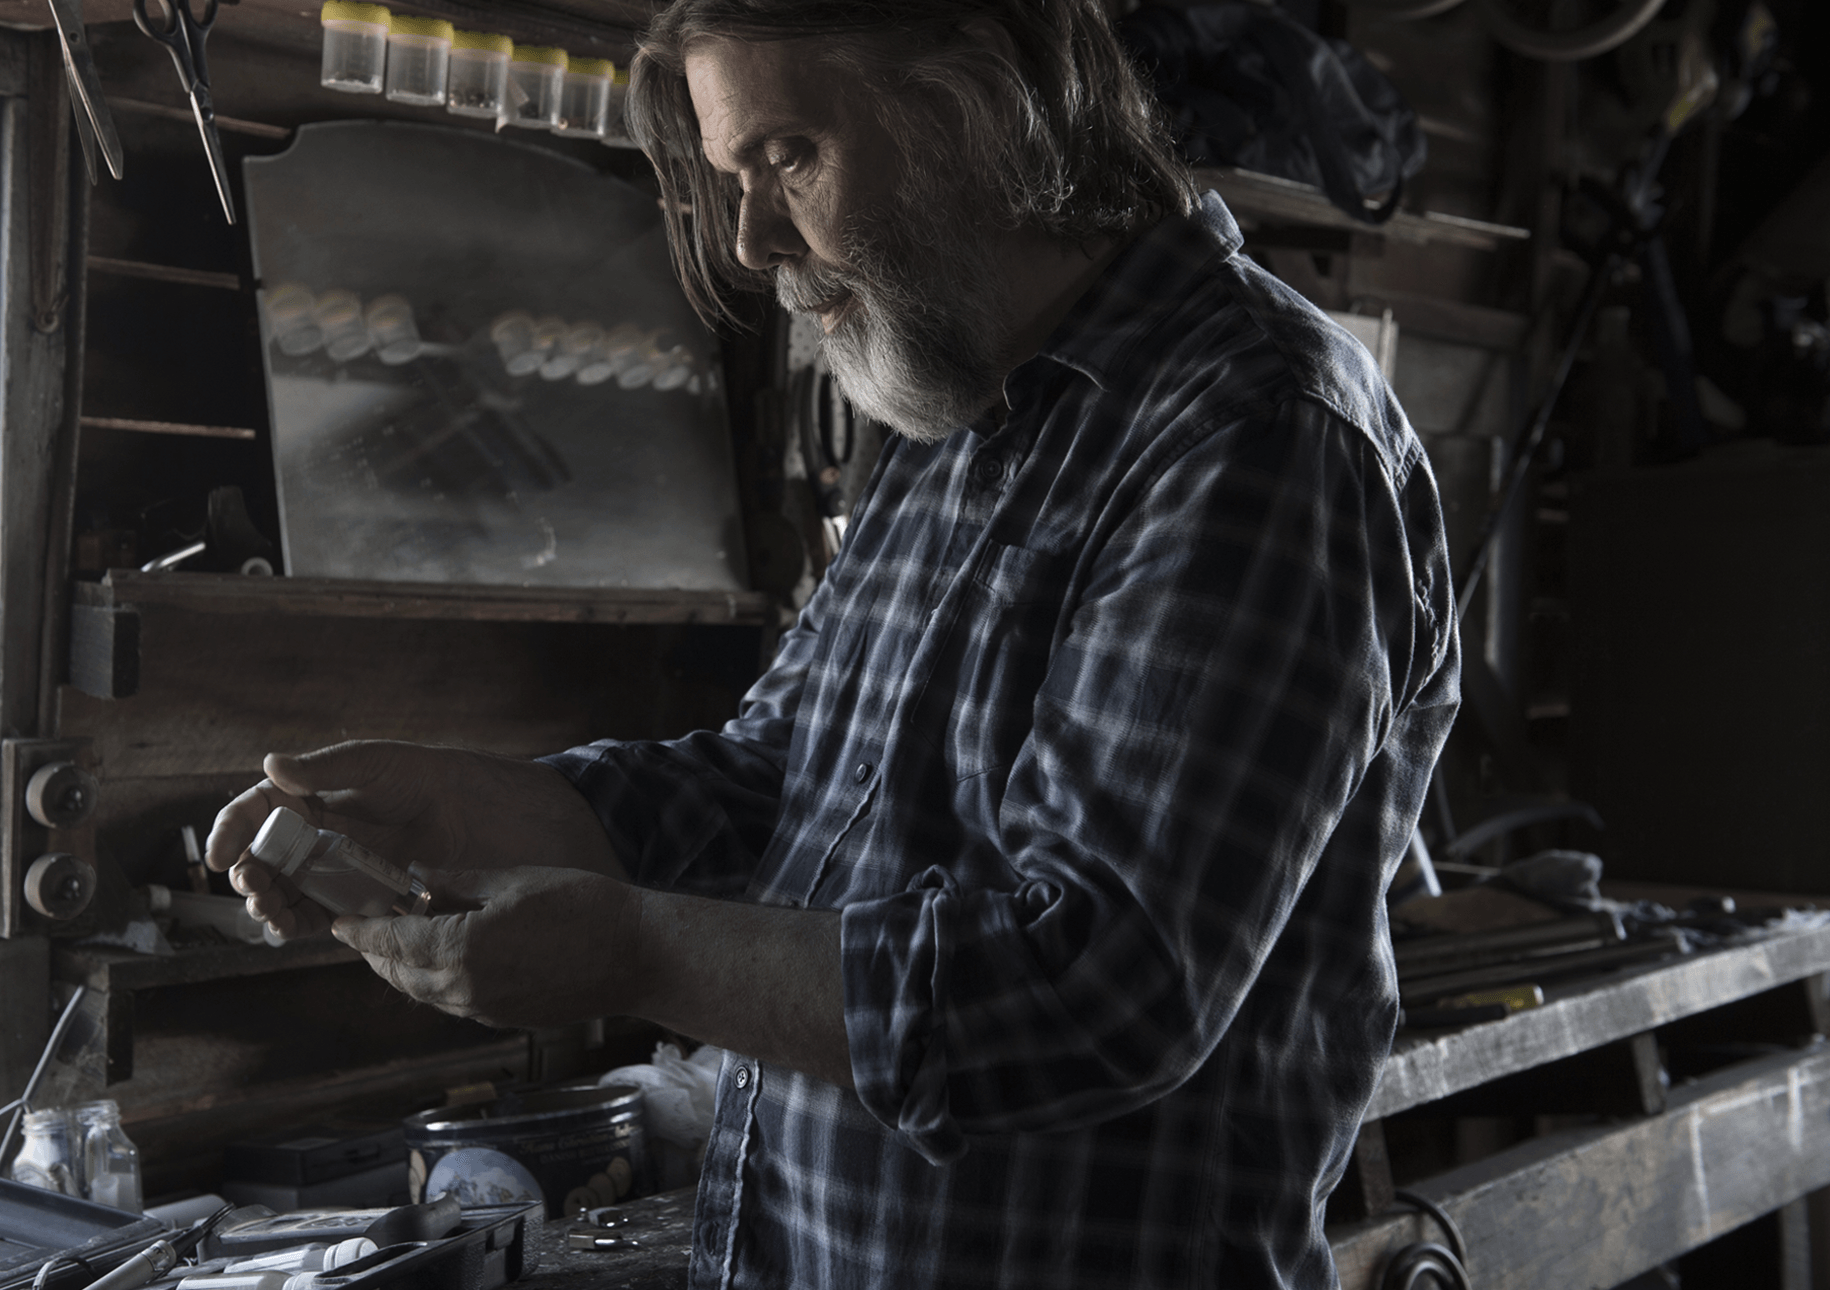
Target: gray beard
[(922, 351)]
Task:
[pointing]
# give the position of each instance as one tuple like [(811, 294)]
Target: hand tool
[(94, 126), (160, 1257), (183, 34)]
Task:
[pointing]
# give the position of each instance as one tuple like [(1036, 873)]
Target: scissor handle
[(176, 15)]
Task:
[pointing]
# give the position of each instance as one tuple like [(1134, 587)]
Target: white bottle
[(226, 914), (318, 1257), (341, 875), (111, 1163)]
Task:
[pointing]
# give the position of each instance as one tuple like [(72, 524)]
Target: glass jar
[(419, 55), (355, 46), (572, 351), (392, 330), (584, 98), (111, 1163), (339, 317), (536, 75), (48, 1158), (615, 131), (477, 82), (292, 319), (342, 875)]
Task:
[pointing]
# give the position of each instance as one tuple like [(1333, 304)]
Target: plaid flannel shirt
[(1106, 732)]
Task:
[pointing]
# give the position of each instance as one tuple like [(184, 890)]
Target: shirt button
[(988, 470), (743, 1077), (863, 772)]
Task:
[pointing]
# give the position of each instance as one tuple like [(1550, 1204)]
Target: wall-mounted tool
[(94, 126), (183, 34)]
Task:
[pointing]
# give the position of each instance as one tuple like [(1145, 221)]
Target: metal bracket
[(47, 798)]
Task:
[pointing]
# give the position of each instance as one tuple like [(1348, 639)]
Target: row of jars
[(81, 1151), (368, 49), (339, 322)]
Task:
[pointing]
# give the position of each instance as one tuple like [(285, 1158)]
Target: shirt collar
[(1139, 288)]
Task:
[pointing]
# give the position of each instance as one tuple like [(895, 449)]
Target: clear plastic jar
[(49, 1159), (292, 319), (339, 317), (477, 83), (536, 76), (355, 46), (343, 876), (111, 1163), (419, 55), (584, 98), (392, 330)]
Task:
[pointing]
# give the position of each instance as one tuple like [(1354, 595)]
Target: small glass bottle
[(355, 46), (111, 1163), (419, 56), (584, 98), (48, 1159), (343, 876), (477, 82), (536, 74)]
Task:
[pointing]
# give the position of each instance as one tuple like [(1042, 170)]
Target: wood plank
[(350, 598), (1424, 1068), (137, 425), (1248, 193), (165, 272), (25, 1020), (1598, 1205), (113, 970)]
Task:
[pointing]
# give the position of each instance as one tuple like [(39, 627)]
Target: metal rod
[(44, 1060)]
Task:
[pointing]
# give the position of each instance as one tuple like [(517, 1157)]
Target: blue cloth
[(1106, 731)]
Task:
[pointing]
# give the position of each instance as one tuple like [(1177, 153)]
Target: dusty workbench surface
[(653, 1241)]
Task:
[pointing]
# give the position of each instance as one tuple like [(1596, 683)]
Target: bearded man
[(1038, 886)]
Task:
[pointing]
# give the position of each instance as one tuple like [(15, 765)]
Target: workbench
[(1595, 1205)]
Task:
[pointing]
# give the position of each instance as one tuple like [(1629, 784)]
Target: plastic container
[(49, 1158), (292, 319), (392, 330), (111, 1163), (584, 98), (536, 77), (355, 46), (341, 875), (339, 316), (477, 82), (419, 56), (577, 1146)]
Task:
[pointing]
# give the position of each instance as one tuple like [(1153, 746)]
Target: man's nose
[(766, 235)]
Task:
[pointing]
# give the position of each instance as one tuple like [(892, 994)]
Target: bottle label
[(381, 870)]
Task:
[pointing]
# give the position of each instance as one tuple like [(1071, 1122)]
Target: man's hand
[(432, 808), (530, 947)]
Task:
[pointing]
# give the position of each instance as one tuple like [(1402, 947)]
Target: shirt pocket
[(978, 703)]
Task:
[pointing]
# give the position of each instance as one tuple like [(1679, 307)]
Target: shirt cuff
[(895, 955)]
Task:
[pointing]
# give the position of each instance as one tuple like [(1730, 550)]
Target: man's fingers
[(238, 822), (461, 890), (409, 940)]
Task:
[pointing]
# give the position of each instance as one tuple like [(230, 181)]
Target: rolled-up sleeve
[(1238, 648)]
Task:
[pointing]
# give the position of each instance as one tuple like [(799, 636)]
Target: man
[(1039, 883)]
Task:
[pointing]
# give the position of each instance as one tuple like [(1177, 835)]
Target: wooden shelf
[(110, 970), (347, 598), (1251, 195), (1424, 1068)]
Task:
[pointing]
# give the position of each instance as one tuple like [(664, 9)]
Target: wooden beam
[(1599, 1205), (1249, 194), (1425, 1068)]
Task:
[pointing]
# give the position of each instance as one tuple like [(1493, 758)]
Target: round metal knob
[(61, 795), (59, 885)]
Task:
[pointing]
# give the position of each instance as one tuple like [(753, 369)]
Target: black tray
[(36, 1225)]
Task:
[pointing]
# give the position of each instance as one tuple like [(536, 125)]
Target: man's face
[(888, 254)]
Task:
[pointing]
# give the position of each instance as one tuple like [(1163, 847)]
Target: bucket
[(575, 1147)]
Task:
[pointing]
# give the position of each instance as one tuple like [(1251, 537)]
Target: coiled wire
[(1408, 1267)]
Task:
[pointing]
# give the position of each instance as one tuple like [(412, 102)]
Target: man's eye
[(787, 160)]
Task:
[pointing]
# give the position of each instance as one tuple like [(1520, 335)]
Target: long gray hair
[(1059, 133)]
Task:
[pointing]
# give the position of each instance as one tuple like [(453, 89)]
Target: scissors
[(94, 126), (183, 34)]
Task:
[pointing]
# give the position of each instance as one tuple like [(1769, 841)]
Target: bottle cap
[(341, 11), (549, 54), (591, 67), (284, 840), (401, 25), (484, 40)]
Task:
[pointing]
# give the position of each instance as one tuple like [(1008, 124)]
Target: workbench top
[(660, 1233)]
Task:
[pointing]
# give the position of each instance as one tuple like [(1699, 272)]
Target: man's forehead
[(746, 92)]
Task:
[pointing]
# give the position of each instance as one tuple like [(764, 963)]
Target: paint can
[(573, 1147)]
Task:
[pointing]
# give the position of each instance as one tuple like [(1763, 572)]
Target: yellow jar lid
[(342, 11), (401, 25), (622, 76), (552, 55), (592, 67), (484, 40)]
